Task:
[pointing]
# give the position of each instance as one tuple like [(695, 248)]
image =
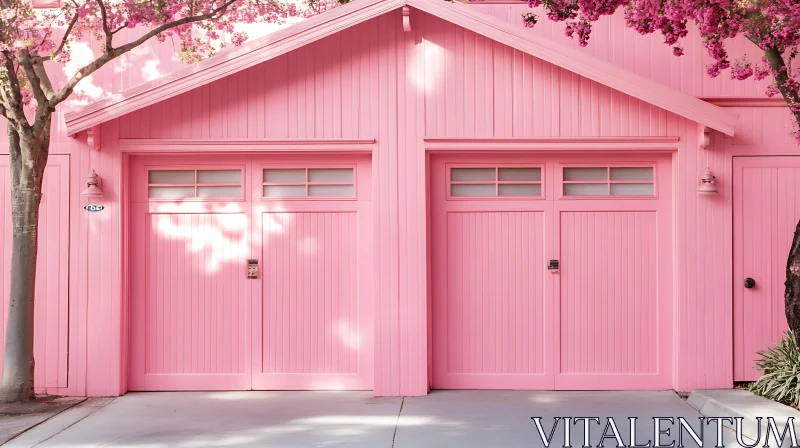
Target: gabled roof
[(358, 11)]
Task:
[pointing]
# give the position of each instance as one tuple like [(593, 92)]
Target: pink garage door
[(766, 192), (201, 226), (546, 274), (51, 311)]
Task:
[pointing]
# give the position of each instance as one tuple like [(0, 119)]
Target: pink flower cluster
[(529, 19), (581, 28), (741, 71)]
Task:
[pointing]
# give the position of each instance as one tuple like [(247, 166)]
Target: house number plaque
[(252, 269)]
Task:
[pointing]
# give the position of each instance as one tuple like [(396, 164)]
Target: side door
[(766, 208)]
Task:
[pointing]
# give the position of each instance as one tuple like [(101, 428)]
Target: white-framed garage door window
[(316, 183), (187, 183), (608, 181), (465, 182)]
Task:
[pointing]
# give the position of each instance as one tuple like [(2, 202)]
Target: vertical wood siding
[(195, 305), (100, 321), (463, 84), (759, 223), (495, 293), (608, 320), (310, 314)]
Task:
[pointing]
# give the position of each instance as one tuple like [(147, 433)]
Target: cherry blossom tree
[(32, 38), (772, 25)]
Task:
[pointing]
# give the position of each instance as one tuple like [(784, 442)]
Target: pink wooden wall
[(376, 81), (444, 81)]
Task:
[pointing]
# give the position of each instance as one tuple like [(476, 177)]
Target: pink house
[(400, 195)]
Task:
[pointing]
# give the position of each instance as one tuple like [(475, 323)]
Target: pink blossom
[(741, 69), (741, 72), (762, 70), (37, 34), (772, 90), (581, 28), (529, 19)]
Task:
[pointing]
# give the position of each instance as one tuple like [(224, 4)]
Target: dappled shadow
[(197, 304), (238, 419)]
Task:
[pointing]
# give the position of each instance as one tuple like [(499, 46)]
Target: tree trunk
[(28, 157), (791, 295), (784, 83)]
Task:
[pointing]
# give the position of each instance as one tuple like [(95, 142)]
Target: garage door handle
[(553, 266), (749, 283)]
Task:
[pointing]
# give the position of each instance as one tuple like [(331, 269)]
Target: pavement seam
[(73, 423), (402, 401), (48, 418)]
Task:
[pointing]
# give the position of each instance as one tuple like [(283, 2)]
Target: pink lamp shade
[(707, 183), (92, 185)]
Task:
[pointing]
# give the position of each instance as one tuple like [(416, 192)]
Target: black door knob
[(749, 283)]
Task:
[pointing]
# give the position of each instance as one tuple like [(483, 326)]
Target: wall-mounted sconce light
[(92, 185), (707, 185)]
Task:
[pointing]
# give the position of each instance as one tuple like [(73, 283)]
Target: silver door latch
[(252, 269)]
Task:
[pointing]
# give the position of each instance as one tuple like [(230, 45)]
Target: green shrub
[(781, 378)]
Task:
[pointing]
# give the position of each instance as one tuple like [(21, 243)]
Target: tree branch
[(68, 31), (64, 39), (44, 79), (12, 96), (106, 28), (93, 66), (781, 73), (33, 80), (122, 27), (41, 123)]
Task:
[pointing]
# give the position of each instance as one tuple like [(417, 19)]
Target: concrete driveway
[(352, 419)]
